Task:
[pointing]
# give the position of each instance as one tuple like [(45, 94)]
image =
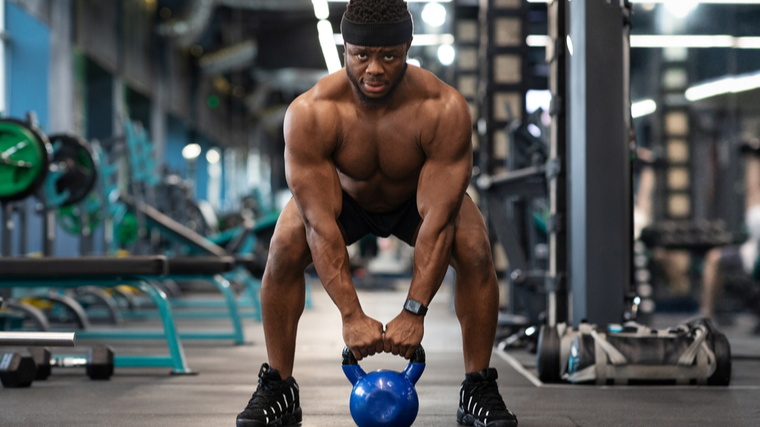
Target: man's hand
[(363, 335), (404, 334)]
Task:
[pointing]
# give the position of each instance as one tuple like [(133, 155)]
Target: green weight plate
[(76, 159), (68, 217), (24, 159), (126, 230)]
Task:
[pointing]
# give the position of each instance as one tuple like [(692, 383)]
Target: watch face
[(413, 306)]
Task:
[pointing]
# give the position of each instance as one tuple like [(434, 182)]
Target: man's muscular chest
[(386, 149)]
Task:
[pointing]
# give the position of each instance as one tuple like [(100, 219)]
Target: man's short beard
[(377, 102)]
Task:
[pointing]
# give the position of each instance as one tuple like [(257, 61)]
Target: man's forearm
[(432, 253), (332, 263)]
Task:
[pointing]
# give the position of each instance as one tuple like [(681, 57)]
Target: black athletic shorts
[(731, 263), (357, 222)]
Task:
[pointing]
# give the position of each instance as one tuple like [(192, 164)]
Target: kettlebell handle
[(349, 359)]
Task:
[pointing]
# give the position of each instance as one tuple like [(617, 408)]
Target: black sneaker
[(275, 402), (480, 403)]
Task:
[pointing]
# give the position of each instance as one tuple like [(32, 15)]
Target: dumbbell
[(98, 363), (17, 370)]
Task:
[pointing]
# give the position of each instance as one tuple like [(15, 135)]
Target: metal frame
[(600, 202), (556, 56), (175, 359), (229, 302)]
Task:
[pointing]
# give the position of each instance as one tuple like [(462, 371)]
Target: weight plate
[(74, 156), (24, 159), (548, 357), (68, 217), (722, 351), (127, 230)]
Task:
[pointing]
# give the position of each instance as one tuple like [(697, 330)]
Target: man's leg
[(283, 294), (283, 288), (476, 295), (710, 283), (476, 300)]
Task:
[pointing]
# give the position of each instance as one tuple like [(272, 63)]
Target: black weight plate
[(24, 159), (548, 358), (100, 363), (722, 350), (78, 160)]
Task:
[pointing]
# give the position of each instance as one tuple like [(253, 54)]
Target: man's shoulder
[(329, 90), (315, 114), (322, 99), (433, 90)]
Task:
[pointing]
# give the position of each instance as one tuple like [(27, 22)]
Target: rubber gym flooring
[(227, 377)]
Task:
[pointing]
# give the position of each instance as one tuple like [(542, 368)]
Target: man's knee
[(288, 253), (472, 253)]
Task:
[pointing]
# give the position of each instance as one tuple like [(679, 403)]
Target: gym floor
[(227, 378)]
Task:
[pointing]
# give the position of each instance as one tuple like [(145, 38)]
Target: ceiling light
[(643, 108), (330, 52), (680, 8), (685, 41), (729, 84), (408, 1), (446, 54), (321, 9), (213, 156), (699, 1), (434, 14), (668, 1), (191, 151), (538, 41)]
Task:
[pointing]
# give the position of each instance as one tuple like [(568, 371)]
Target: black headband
[(377, 33)]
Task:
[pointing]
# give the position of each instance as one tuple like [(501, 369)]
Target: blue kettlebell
[(384, 398)]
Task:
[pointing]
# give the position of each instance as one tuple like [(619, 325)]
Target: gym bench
[(105, 272)]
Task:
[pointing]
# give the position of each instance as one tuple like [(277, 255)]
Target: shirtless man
[(736, 261), (382, 149)]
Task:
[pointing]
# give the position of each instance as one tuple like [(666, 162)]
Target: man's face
[(376, 71)]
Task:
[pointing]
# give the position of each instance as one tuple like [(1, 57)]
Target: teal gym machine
[(25, 158)]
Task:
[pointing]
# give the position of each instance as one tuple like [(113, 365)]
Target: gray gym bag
[(691, 353)]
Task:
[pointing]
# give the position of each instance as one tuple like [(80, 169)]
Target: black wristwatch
[(415, 307)]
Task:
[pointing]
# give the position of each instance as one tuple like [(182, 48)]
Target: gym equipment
[(24, 159), (29, 312), (92, 296), (60, 173), (106, 272), (51, 339), (691, 353), (98, 362), (515, 203), (89, 214), (698, 237), (174, 199), (17, 370), (549, 355), (64, 307), (384, 397), (74, 173)]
